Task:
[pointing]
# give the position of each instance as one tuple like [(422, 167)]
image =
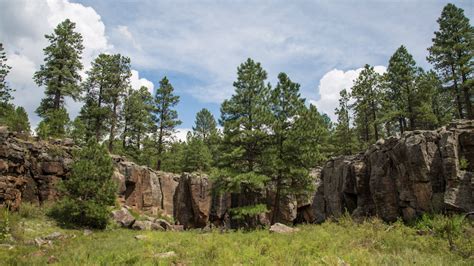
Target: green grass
[(368, 243)]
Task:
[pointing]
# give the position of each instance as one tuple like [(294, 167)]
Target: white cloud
[(138, 82), (332, 83), (127, 35), (23, 24)]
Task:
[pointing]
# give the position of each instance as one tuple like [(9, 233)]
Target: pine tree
[(16, 119), (401, 93), (344, 138), (205, 128), (287, 170), (165, 117), (435, 99), (95, 113), (173, 157), (60, 75), (89, 190), (312, 136), (120, 83), (245, 117), (366, 93), (137, 120), (451, 54), (5, 90), (197, 156)]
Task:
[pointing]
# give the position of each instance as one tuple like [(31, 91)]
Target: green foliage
[(60, 76), (89, 191), (78, 131), (451, 55), (205, 128), (344, 139), (463, 163), (16, 119), (402, 95), (30, 211), (245, 117), (54, 124), (172, 157), (197, 156), (367, 104), (137, 121), (165, 117), (5, 89), (370, 242), (245, 212), (5, 229)]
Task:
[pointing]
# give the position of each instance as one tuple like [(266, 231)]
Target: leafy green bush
[(89, 191)]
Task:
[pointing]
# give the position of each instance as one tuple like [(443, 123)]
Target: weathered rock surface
[(123, 217), (192, 200), (402, 177), (30, 170), (282, 229), (419, 172)]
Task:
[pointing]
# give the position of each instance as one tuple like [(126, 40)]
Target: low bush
[(90, 191)]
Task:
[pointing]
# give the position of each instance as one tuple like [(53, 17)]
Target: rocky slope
[(422, 171)]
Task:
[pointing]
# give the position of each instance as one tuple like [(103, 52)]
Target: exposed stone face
[(402, 177), (193, 199), (31, 169), (421, 171)]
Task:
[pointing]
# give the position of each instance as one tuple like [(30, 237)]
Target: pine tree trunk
[(402, 128), (98, 121), (160, 149), (112, 127), (467, 97), (456, 92)]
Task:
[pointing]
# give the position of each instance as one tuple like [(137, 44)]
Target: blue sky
[(199, 44)]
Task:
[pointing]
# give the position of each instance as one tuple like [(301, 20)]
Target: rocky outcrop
[(30, 170), (192, 200), (419, 172), (422, 171), (143, 188)]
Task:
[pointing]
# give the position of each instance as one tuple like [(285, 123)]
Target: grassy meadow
[(430, 241)]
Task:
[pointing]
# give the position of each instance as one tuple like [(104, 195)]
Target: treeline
[(270, 136), (406, 97)]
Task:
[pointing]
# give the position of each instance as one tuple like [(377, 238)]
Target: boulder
[(282, 229), (123, 217)]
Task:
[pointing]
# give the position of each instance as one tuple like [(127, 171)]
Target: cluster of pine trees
[(406, 97), (270, 136)]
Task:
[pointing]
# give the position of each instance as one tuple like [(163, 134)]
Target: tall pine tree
[(366, 93), (451, 54), (344, 138), (165, 117), (245, 117), (60, 76)]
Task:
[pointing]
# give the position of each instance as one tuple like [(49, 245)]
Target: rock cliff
[(422, 171), (419, 172)]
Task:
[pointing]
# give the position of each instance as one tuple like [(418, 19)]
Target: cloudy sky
[(198, 44)]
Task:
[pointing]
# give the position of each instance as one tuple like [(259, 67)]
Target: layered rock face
[(422, 171), (31, 169)]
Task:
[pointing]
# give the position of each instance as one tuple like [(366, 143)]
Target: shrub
[(89, 191)]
